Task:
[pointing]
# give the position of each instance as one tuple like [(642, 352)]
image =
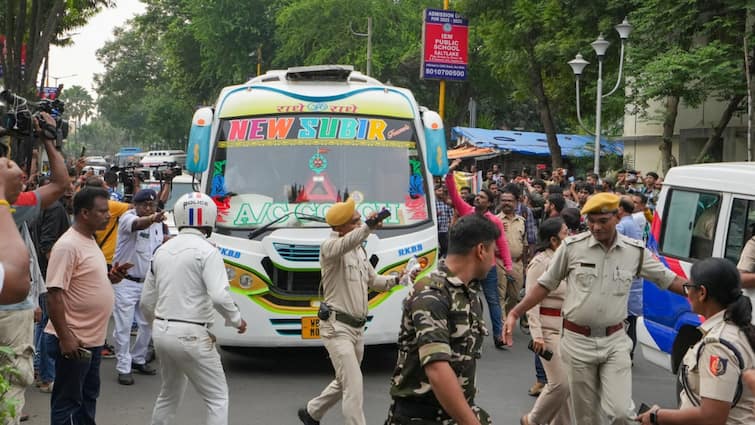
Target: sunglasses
[(686, 287)]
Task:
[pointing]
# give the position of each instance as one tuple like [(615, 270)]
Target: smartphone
[(546, 354), (83, 151), (643, 408), (382, 215)]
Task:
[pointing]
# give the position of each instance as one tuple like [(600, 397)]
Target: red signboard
[(445, 45)]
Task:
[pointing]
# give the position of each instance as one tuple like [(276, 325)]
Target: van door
[(741, 227), (688, 233)]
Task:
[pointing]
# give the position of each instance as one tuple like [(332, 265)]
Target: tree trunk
[(749, 54), (715, 138), (669, 121), (544, 110)]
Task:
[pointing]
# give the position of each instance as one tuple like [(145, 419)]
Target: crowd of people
[(563, 258)]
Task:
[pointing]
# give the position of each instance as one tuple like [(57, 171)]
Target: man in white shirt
[(140, 233), (187, 278)]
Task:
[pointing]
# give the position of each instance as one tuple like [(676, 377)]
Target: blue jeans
[(490, 289), (540, 371), (77, 386), (44, 363)]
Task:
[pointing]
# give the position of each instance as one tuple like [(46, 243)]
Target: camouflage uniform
[(442, 321)]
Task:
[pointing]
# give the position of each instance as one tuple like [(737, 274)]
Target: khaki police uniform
[(747, 264), (516, 236), (714, 372), (594, 345), (544, 320), (346, 276)]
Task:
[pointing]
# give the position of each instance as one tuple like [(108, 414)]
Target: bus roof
[(736, 177), (320, 89)]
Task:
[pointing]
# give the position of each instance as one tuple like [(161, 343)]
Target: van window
[(741, 227), (690, 224)]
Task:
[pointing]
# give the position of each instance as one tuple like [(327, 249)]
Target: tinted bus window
[(690, 224)]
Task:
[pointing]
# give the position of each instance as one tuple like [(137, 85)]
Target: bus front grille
[(295, 282), (297, 252)]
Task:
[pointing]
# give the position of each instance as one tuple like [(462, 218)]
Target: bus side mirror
[(436, 155), (198, 150)]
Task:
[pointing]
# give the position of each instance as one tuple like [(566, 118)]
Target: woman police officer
[(711, 372), (551, 406)]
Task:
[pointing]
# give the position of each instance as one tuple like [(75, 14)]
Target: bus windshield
[(267, 167)]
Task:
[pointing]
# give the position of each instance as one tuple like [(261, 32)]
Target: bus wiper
[(256, 232)]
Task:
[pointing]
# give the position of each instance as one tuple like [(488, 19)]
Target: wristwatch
[(654, 417)]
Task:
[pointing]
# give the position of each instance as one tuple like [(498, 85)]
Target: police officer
[(711, 371), (346, 276), (140, 233), (442, 330), (509, 284), (746, 265), (186, 281), (598, 267)]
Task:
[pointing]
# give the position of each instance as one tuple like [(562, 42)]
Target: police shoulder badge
[(717, 365)]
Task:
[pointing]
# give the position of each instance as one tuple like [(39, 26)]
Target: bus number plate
[(310, 328)]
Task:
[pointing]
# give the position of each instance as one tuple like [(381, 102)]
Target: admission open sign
[(444, 45)]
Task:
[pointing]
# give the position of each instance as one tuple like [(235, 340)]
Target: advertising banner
[(445, 41)]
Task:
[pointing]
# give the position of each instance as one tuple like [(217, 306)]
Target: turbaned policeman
[(442, 329), (346, 276)]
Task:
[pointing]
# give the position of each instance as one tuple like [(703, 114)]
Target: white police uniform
[(135, 247), (186, 281)]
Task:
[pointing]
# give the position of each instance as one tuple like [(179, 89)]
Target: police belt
[(349, 319), (413, 409), (135, 279)]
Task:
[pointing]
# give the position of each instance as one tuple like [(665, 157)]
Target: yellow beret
[(601, 203), (340, 213)]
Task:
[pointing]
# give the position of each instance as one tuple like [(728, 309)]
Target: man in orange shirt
[(80, 301)]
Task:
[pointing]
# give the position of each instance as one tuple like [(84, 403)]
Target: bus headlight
[(244, 280)]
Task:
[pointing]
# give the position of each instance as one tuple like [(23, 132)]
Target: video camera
[(21, 114), (166, 171), (127, 177)]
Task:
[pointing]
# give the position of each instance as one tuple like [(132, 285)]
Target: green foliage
[(79, 105), (7, 372), (689, 49)]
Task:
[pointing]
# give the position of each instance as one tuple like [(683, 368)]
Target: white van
[(157, 158), (704, 210)]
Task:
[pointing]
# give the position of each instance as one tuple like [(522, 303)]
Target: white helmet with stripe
[(195, 209)]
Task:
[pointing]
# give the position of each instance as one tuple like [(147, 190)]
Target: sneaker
[(108, 352), (45, 387), (144, 369), (536, 389), (125, 379), (305, 418), (24, 417)]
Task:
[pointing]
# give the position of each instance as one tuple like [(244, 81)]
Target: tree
[(30, 26), (686, 52), (526, 43), (79, 105)]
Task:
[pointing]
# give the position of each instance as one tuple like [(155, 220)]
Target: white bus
[(275, 153)]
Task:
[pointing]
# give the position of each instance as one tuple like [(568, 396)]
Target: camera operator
[(14, 260), (17, 320), (346, 276)]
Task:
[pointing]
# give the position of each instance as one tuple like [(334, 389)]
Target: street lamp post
[(578, 64), (60, 78)]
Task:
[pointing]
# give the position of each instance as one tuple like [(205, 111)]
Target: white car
[(157, 158)]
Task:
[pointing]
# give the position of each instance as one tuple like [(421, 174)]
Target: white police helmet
[(195, 210)]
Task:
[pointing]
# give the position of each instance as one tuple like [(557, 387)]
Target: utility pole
[(368, 34)]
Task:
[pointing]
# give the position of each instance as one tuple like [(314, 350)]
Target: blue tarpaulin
[(529, 143)]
